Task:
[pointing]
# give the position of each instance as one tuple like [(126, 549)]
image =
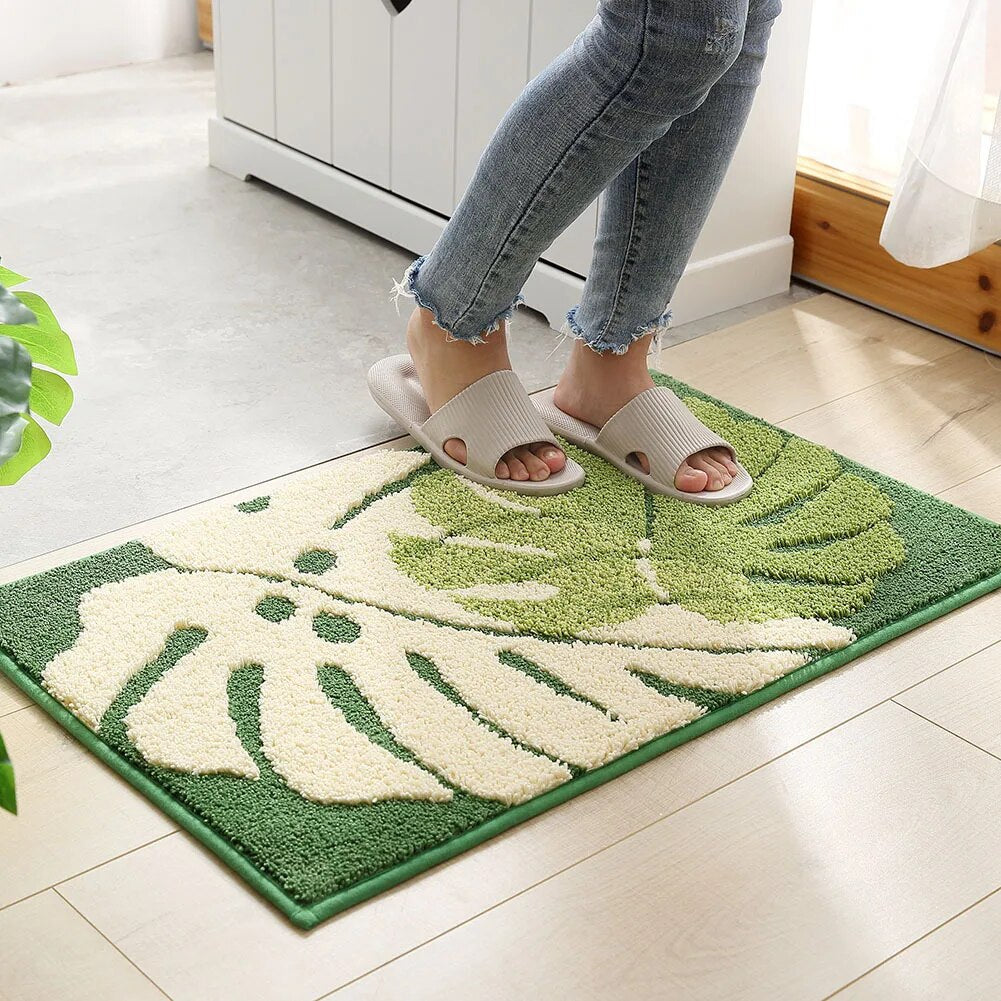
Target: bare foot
[(445, 368), (594, 386)]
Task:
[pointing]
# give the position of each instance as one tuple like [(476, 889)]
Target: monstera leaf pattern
[(809, 541), (499, 645)]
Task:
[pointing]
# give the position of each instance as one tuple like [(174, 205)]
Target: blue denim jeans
[(646, 106)]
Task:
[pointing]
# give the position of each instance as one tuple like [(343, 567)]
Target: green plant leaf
[(11, 431), (51, 395), (12, 310), (47, 341), (8, 799), (15, 377), (35, 446), (10, 278)]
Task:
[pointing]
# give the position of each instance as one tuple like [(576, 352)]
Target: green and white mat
[(339, 685)]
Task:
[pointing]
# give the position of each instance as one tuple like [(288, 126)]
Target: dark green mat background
[(312, 860)]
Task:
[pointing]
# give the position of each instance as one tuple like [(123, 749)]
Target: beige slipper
[(658, 424), (491, 416)]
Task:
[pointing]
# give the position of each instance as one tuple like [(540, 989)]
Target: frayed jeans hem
[(407, 289), (657, 327)]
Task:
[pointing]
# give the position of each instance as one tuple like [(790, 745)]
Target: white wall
[(48, 38)]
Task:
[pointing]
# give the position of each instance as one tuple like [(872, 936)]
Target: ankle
[(628, 370)]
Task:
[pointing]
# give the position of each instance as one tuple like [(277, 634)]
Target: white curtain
[(946, 202)]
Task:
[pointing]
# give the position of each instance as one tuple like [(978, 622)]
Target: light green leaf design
[(581, 544), (46, 341), (810, 540), (8, 799), (10, 278), (35, 446), (51, 395)]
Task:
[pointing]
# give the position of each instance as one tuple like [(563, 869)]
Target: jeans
[(646, 106)]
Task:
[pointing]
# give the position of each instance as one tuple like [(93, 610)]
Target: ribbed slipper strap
[(660, 426), (491, 416)]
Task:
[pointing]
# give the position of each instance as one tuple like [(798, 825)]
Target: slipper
[(658, 424), (491, 416)]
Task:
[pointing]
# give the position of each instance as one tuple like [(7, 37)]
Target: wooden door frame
[(836, 221)]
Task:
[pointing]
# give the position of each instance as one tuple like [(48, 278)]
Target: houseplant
[(30, 337)]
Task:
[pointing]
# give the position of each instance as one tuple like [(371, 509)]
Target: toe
[(516, 467), (456, 448), (724, 473), (501, 471), (714, 478), (537, 469), (723, 456), (691, 480), (552, 456)]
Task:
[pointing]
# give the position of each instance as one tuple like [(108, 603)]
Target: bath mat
[(337, 685)]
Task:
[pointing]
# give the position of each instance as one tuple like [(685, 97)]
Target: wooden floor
[(843, 840)]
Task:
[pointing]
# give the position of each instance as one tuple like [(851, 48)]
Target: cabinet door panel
[(302, 75), (247, 64), (423, 119), (360, 81), (493, 69), (555, 24)]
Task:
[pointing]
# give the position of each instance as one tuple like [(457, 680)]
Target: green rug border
[(309, 917)]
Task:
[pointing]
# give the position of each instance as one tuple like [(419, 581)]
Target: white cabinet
[(423, 113), (407, 103), (302, 75), (245, 68), (360, 85), (493, 70)]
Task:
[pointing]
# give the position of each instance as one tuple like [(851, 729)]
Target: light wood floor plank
[(958, 962), (803, 356), (981, 494), (965, 699), (11, 697), (784, 886), (50, 953), (74, 812), (934, 427)]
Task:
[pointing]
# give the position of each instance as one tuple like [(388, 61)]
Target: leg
[(636, 68), (652, 214)]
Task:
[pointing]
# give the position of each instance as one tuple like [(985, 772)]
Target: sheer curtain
[(946, 203), (905, 93)]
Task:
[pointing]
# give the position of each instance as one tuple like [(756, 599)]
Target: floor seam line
[(945, 729), (137, 968), (969, 479), (121, 855), (910, 945), (948, 667), (83, 872)]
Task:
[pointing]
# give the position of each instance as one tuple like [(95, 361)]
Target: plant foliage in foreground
[(30, 336)]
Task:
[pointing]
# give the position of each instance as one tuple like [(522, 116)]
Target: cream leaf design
[(502, 643)]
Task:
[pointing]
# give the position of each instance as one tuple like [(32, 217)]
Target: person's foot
[(446, 367), (594, 386)]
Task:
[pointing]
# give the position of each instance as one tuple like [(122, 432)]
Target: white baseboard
[(708, 286)]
